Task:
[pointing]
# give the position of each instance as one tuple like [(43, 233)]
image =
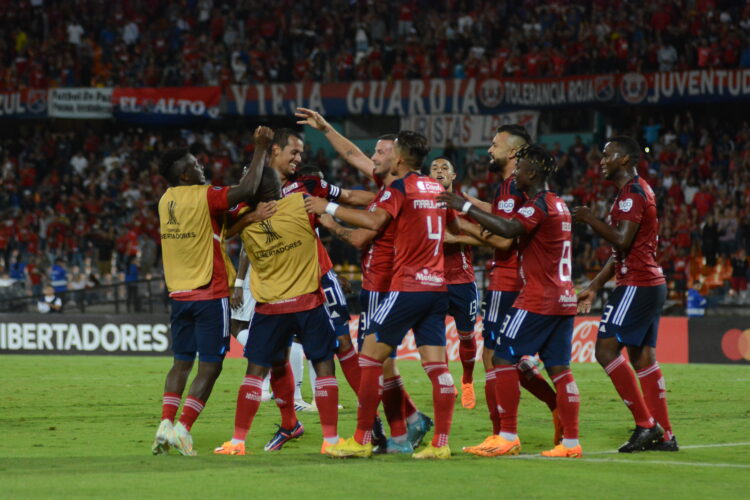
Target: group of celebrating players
[(415, 237)]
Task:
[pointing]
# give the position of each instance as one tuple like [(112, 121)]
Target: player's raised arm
[(484, 238), (361, 218), (359, 238), (263, 211), (249, 183), (621, 237), (343, 146), (356, 197), (507, 228)]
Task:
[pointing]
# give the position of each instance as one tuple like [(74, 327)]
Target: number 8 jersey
[(420, 224), (545, 256)]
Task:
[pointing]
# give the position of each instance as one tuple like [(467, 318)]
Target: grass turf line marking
[(645, 462), (688, 447)]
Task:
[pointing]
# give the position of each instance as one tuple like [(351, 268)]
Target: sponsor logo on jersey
[(426, 277), (424, 204), (430, 187), (625, 205), (323, 184), (526, 211), (386, 195), (506, 205), (291, 187), (566, 226)]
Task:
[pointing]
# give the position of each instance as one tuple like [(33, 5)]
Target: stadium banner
[(84, 334), (468, 130), (27, 103), (166, 105), (720, 339), (80, 103), (712, 85)]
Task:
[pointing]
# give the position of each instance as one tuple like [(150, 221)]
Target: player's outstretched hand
[(237, 298), (264, 210), (452, 200), (311, 118), (581, 214), (263, 137), (585, 299), (327, 221), (315, 205)]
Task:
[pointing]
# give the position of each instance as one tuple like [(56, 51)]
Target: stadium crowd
[(207, 42), (82, 205)]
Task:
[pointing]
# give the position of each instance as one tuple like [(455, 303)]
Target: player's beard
[(497, 165)]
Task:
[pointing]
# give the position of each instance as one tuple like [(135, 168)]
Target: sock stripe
[(490, 375), (429, 367), (348, 354), (499, 369), (172, 401), (614, 364), (194, 404), (326, 382), (367, 361), (647, 371), (253, 382), (562, 375)]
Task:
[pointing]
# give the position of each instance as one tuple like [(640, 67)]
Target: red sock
[(489, 394), (170, 404), (248, 402), (467, 352), (369, 397), (655, 394), (282, 385), (624, 380), (393, 405), (536, 384), (190, 411), (327, 401), (507, 395), (568, 403), (443, 400), (407, 403), (349, 362)]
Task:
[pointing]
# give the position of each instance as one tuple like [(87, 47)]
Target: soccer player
[(505, 280), (408, 425), (541, 319), (285, 280), (417, 298), (285, 158), (190, 216), (631, 316), (462, 287)]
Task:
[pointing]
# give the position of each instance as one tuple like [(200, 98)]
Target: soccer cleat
[(560, 451), (349, 448), (228, 448), (181, 440), (557, 422), (485, 443), (434, 452), (643, 438), (415, 432), (327, 445), (302, 405), (468, 399), (378, 433), (497, 446), (283, 435), (669, 445), (392, 446), (161, 441)]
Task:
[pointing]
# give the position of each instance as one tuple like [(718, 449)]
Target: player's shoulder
[(637, 187)]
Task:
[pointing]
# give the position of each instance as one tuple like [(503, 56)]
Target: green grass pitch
[(81, 427)]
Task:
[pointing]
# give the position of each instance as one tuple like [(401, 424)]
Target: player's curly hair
[(167, 164), (543, 161)]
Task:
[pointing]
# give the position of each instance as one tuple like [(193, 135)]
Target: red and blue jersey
[(504, 275), (420, 220), (637, 267), (377, 260), (545, 254), (459, 267)]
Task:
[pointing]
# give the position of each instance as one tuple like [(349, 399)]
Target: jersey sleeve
[(392, 199), (217, 199), (319, 187), (531, 214), (631, 207)]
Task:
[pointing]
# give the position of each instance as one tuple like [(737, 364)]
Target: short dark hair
[(628, 146), (516, 130), (281, 137), (543, 161), (309, 169), (269, 188), (167, 163), (197, 148), (413, 146), (445, 158), (388, 137)]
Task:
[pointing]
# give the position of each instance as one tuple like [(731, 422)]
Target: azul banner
[(468, 130), (168, 104), (81, 102), (28, 103)]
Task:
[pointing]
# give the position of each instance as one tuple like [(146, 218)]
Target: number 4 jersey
[(420, 222), (545, 255)]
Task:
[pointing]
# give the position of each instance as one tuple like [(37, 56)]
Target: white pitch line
[(688, 447), (648, 462)]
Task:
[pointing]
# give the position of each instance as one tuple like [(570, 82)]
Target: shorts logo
[(271, 235), (526, 211), (170, 209), (625, 205), (506, 205)]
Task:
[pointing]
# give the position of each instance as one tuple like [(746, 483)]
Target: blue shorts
[(462, 305), (494, 308), (423, 312), (335, 302), (271, 334), (526, 333), (200, 326), (632, 315), (369, 302)]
